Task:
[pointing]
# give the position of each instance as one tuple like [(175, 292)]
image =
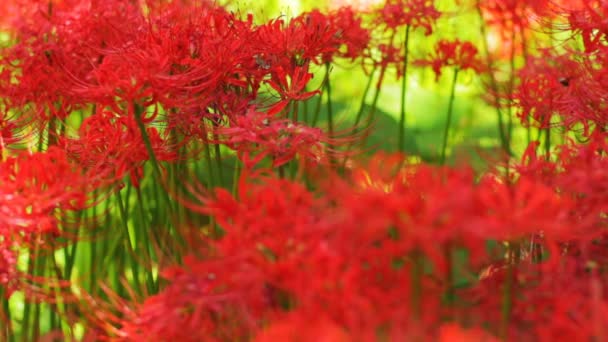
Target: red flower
[(591, 20), (462, 55), (33, 186), (257, 135), (292, 90), (111, 146), (415, 13)]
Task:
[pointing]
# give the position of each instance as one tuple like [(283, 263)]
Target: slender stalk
[(403, 90), (130, 240), (359, 114), (315, 116), (493, 82), (218, 162), (548, 143), (235, 177), (510, 87), (448, 121), (374, 105), (151, 283), (7, 330), (138, 111), (330, 112), (211, 181)]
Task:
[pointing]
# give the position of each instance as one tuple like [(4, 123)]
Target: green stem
[(235, 177), (403, 90), (130, 244), (510, 88), (218, 162), (359, 114), (493, 82), (449, 117), (374, 105), (548, 143), (7, 332), (315, 116), (330, 112), (139, 110), (151, 283)]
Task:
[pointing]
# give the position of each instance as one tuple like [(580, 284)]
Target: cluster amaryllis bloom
[(112, 146), (458, 54), (33, 187), (58, 42), (561, 85), (392, 17), (578, 173), (415, 13), (351, 271), (258, 135), (312, 37), (290, 90), (350, 259), (590, 20), (566, 297)]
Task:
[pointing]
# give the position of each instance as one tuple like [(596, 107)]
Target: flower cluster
[(176, 170)]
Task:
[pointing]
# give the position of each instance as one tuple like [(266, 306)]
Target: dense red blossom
[(590, 20), (112, 146), (257, 135), (568, 299), (381, 249), (559, 85), (33, 186), (292, 90), (415, 13), (461, 55)]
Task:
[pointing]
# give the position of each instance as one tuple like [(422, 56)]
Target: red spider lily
[(310, 37), (257, 135), (513, 211), (559, 85), (537, 167), (340, 28), (350, 33), (591, 20), (582, 178), (567, 299), (210, 300), (422, 203), (8, 268), (293, 90), (414, 13), (304, 39), (33, 186), (462, 55), (57, 44), (112, 146), (306, 262)]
